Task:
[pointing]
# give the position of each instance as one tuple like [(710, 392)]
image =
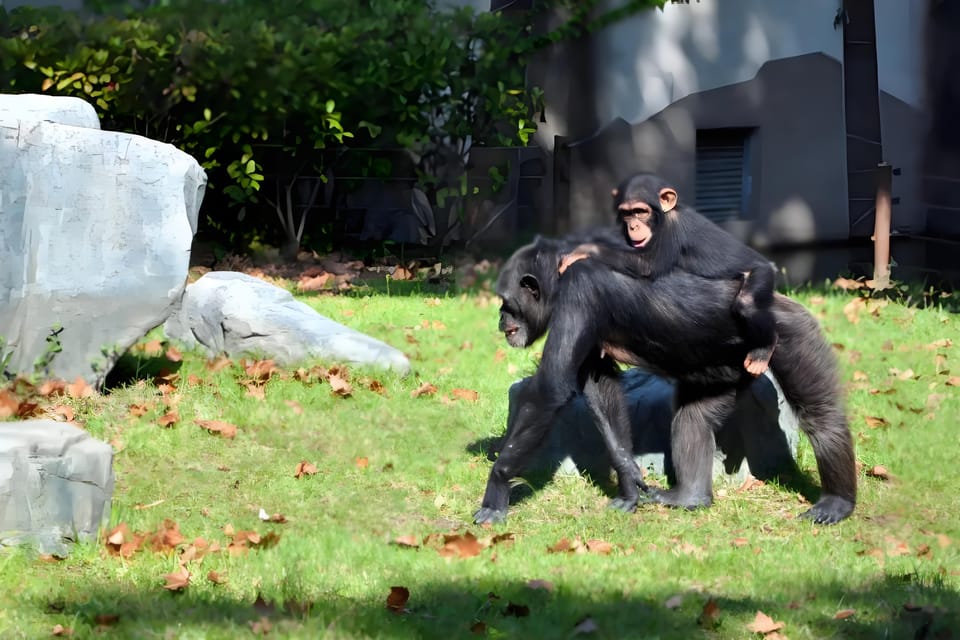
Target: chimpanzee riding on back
[(665, 235)]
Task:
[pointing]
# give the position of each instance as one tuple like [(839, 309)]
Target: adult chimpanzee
[(665, 235), (679, 326)]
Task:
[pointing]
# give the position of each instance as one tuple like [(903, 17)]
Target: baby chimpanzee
[(666, 235)]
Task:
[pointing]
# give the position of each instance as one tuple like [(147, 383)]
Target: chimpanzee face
[(637, 218), (641, 202)]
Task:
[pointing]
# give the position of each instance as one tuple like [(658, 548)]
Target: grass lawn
[(372, 537)]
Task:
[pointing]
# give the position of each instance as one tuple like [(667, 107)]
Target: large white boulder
[(233, 313), (56, 483), (95, 235), (61, 109)]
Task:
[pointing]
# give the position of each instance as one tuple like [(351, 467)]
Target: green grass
[(392, 465)]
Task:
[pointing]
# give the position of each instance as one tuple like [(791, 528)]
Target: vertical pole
[(881, 230)]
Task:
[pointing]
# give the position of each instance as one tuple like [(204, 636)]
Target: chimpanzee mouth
[(641, 244)]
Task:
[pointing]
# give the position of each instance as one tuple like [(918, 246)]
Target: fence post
[(881, 229)]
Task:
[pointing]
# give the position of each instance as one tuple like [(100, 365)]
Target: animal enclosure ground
[(341, 504)]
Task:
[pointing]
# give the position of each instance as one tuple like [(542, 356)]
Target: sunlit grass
[(391, 465)]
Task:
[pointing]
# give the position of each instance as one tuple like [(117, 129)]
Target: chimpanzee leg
[(752, 305), (568, 346), (700, 410), (604, 397)]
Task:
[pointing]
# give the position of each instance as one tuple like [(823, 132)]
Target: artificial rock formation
[(56, 483), (95, 235), (233, 313)]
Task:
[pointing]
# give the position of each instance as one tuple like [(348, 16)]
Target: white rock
[(233, 313), (59, 109), (56, 483), (95, 236)]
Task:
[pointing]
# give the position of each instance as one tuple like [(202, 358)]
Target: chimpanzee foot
[(758, 360), (490, 515), (630, 496), (829, 510), (676, 498)]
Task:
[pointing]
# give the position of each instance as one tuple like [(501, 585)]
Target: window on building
[(723, 173)]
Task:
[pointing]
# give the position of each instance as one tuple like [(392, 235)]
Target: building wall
[(773, 65)]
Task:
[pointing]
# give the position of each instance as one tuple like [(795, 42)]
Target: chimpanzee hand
[(488, 515), (579, 253)]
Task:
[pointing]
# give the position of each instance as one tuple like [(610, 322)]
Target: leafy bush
[(263, 92)]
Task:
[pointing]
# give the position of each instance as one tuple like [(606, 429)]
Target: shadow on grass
[(891, 607), (132, 367)]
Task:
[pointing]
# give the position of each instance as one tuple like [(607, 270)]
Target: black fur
[(682, 238), (592, 312)]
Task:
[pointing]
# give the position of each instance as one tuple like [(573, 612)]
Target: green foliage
[(262, 91)]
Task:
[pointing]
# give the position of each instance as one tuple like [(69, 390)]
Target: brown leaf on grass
[(710, 615), (567, 546), (879, 471), (425, 389), (217, 577), (875, 423), (260, 370), (314, 283), (409, 541), (152, 347), (304, 468), (169, 418), (478, 628), (924, 551), (860, 376), (339, 386), (749, 484), (255, 390), (9, 404), (377, 387), (218, 364), (166, 538), (762, 623), (173, 354), (516, 610), (674, 602), (465, 394), (362, 462), (739, 542), (847, 284), (599, 546), (397, 599), (401, 273), (80, 389), (137, 410), (165, 388), (540, 585), (60, 630), (460, 546), (843, 614), (852, 310), (225, 429), (52, 388), (953, 381), (500, 355), (177, 581), (32, 410)]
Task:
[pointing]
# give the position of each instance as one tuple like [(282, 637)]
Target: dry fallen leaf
[(80, 389), (764, 624), (173, 354), (340, 386), (397, 600), (460, 546), (710, 615), (878, 471), (169, 418), (177, 581), (852, 310), (875, 423), (225, 429), (425, 389), (843, 614), (599, 546), (540, 585), (407, 541), (465, 394), (304, 468), (60, 630), (847, 284), (362, 462), (953, 381)]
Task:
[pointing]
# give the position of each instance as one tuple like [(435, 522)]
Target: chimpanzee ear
[(668, 199), (531, 284)]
